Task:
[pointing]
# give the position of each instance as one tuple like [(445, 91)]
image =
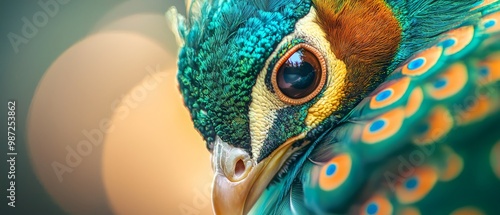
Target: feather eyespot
[(457, 40), (449, 83), (490, 23), (391, 94), (377, 205), (335, 172), (450, 42), (438, 124), (476, 110), (484, 71), (417, 186), (383, 127), (416, 63), (489, 69), (423, 62), (299, 75)]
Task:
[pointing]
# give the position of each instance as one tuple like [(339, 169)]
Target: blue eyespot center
[(383, 95), (372, 208), (440, 83), (489, 23), (411, 183), (416, 64), (448, 43), (484, 71), (331, 169), (377, 125)]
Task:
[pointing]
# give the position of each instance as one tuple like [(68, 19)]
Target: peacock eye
[(299, 75)]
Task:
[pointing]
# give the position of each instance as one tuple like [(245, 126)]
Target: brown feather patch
[(365, 35)]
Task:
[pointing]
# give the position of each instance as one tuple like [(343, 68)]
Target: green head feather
[(226, 46)]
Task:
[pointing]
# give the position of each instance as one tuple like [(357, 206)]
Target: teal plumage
[(390, 161), (422, 140), (224, 36), (424, 21)]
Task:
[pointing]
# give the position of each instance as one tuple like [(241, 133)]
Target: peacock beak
[(239, 180)]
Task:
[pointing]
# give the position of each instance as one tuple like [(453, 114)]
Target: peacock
[(345, 106)]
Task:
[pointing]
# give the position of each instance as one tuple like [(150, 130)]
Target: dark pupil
[(298, 76)]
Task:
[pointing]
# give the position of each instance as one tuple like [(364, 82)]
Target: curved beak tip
[(228, 197), (238, 181)]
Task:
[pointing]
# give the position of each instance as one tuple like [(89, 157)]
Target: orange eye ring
[(298, 64)]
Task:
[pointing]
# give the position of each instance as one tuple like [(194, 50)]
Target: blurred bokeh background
[(101, 128)]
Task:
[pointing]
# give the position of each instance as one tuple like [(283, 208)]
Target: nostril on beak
[(239, 168), (235, 163)]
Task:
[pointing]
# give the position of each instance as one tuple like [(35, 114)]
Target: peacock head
[(262, 79)]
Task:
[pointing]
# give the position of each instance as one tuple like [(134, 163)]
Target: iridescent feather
[(426, 141), (414, 128)]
